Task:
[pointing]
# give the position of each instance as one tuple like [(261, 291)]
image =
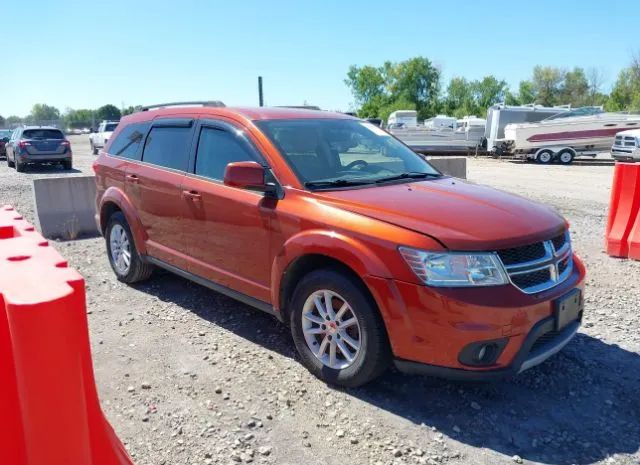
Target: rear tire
[(335, 333), (544, 157), (20, 168), (67, 165), (566, 156), (120, 244)]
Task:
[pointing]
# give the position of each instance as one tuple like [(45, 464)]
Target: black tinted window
[(111, 127), (42, 134), (216, 149), (168, 147), (129, 140)]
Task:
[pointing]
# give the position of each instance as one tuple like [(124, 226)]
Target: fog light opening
[(486, 353)]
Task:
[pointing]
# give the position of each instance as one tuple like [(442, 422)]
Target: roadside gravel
[(188, 376)]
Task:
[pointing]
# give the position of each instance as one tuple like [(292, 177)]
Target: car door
[(227, 228), (153, 185), (11, 146)]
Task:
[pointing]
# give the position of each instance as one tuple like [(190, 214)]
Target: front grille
[(526, 253), (559, 241), (625, 141), (539, 266), (534, 278)]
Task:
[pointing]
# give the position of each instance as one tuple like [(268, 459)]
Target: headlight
[(457, 269)]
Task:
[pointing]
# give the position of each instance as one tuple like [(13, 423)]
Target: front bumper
[(530, 355), (429, 327), (627, 154)]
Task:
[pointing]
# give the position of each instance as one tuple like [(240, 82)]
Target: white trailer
[(407, 118)]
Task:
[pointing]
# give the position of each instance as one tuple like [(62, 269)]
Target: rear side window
[(128, 141), (42, 134), (111, 127), (168, 147), (216, 149)]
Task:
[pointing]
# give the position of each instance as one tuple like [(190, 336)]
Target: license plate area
[(568, 308)]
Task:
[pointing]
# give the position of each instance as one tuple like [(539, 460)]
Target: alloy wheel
[(120, 249), (331, 329)]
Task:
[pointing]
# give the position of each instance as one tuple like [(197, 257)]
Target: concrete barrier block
[(451, 166), (65, 206)]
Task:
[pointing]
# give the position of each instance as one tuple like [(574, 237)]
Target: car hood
[(461, 215)]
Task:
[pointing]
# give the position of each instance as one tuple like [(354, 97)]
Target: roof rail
[(204, 103)]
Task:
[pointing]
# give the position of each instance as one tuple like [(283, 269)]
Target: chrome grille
[(625, 141), (537, 267)]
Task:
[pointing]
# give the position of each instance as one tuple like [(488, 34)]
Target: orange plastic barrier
[(623, 225), (49, 409)]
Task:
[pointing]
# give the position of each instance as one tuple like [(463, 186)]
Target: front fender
[(352, 252), (120, 199)]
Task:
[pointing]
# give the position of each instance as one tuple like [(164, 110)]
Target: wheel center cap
[(332, 327)]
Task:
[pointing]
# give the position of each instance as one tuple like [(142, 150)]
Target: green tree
[(526, 93), (78, 118), (547, 82), (487, 92), (575, 88), (108, 112), (415, 80), (459, 100), (2, 121), (625, 94), (43, 112), (13, 120), (130, 109), (366, 83)]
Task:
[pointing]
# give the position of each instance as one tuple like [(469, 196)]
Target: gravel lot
[(188, 376)]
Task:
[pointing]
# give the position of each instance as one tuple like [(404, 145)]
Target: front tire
[(544, 157), (94, 150), (10, 164), (121, 250), (338, 330)]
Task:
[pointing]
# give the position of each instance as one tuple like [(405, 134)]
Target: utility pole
[(260, 95)]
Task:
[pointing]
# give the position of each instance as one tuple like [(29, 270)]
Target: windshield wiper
[(409, 175), (337, 183)]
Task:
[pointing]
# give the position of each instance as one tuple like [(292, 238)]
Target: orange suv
[(331, 224)]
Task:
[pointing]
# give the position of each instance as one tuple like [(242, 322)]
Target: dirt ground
[(188, 376)]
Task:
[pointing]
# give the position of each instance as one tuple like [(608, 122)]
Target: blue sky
[(83, 54)]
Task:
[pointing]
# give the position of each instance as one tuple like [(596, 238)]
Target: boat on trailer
[(584, 131)]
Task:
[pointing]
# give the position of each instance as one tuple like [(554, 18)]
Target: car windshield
[(582, 111), (5, 133), (42, 134), (110, 127), (326, 153)]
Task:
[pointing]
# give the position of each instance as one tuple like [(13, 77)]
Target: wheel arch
[(310, 251), (113, 201)]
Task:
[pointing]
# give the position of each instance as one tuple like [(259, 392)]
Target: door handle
[(132, 178), (192, 195)]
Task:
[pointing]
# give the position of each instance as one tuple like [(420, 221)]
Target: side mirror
[(247, 175)]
